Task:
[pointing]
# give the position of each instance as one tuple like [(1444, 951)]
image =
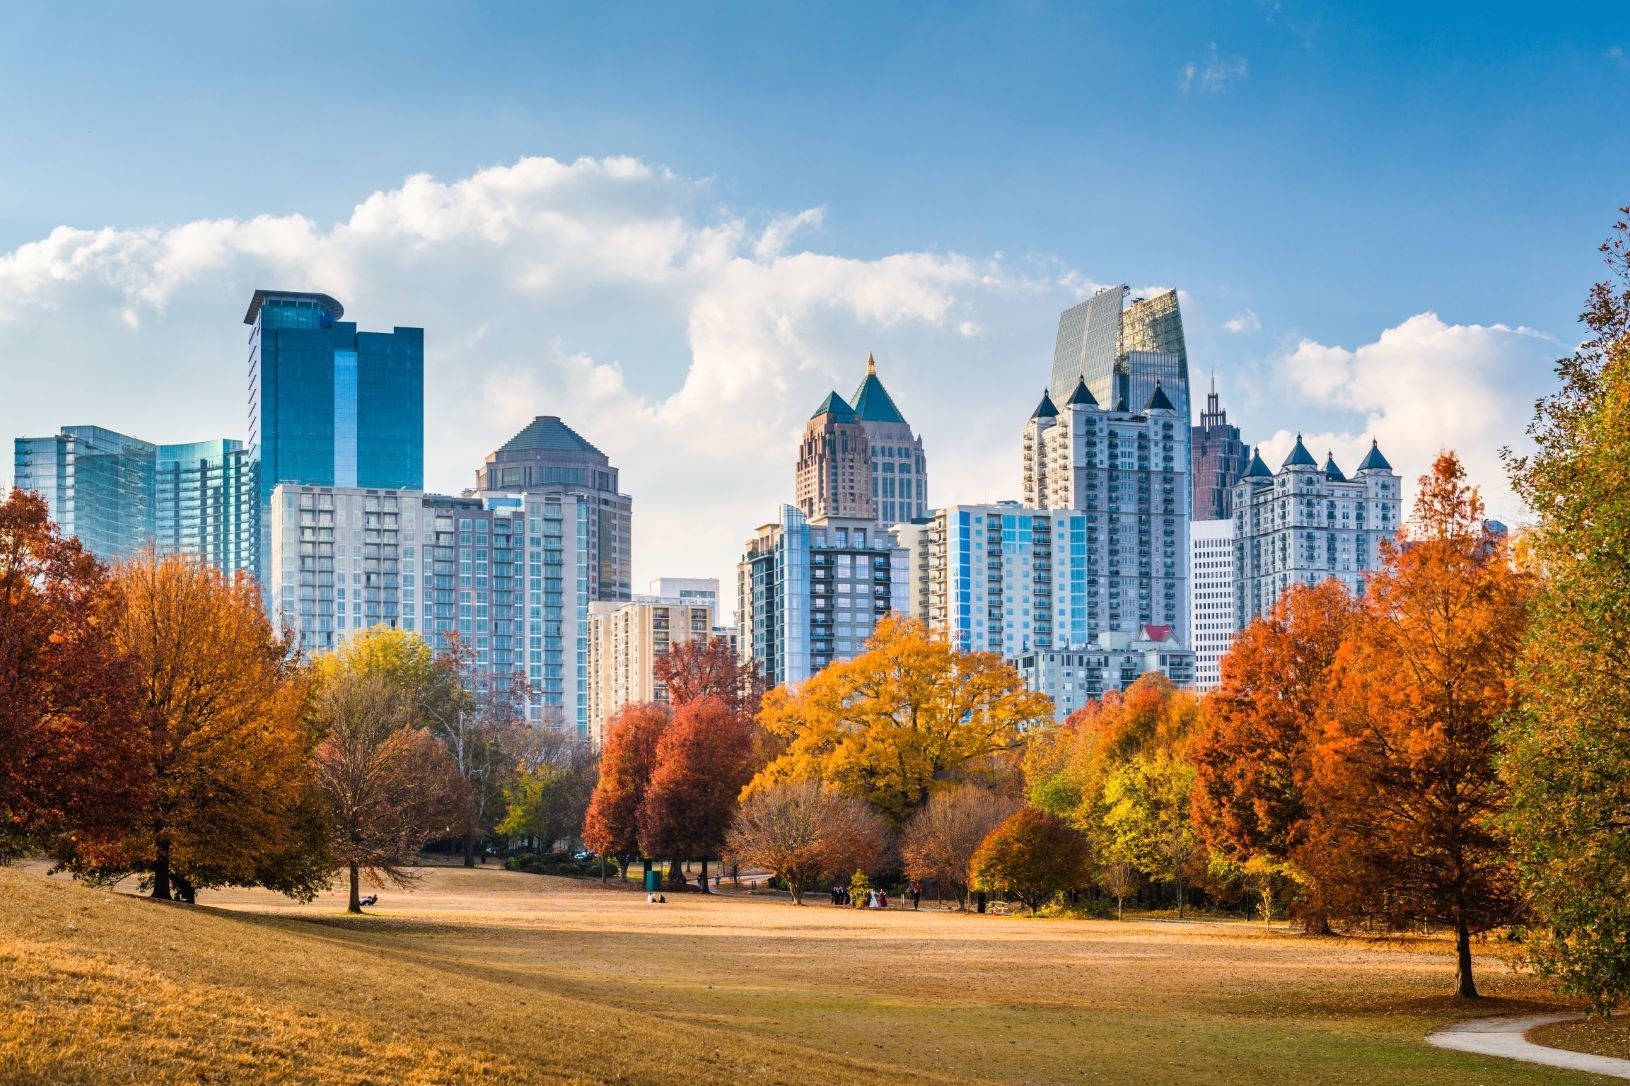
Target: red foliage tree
[(703, 760), (709, 667), (71, 742), (1404, 780), (627, 760), (1251, 756)]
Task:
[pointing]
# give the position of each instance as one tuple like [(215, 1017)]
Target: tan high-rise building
[(860, 460), (626, 639)]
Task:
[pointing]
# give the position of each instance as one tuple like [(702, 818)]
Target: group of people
[(876, 899)]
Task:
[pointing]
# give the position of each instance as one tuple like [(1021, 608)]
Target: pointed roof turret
[(1082, 396), (872, 401), (1257, 469), (1045, 409), (1332, 472), (1299, 457), (1158, 401), (836, 406), (1120, 404), (1373, 460)]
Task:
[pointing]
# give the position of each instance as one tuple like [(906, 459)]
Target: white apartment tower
[(1211, 594), (1307, 523), (627, 639), (1127, 473)]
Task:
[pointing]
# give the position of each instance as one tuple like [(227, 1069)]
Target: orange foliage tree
[(703, 759), (71, 746), (1403, 778), (709, 667), (1032, 856), (232, 800), (628, 757), (1251, 756)]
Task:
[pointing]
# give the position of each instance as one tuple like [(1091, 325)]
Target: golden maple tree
[(903, 718)]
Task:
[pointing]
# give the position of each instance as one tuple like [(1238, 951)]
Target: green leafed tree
[(1567, 755)]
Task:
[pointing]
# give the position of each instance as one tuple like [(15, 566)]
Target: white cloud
[(1616, 54), (1214, 74), (1243, 322), (1421, 387), (686, 342)]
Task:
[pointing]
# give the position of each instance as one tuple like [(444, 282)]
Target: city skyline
[(1401, 300)]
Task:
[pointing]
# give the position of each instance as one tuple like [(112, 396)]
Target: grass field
[(492, 976)]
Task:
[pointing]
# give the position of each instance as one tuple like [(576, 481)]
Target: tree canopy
[(909, 715)]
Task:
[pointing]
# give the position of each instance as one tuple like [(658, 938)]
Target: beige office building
[(626, 639)]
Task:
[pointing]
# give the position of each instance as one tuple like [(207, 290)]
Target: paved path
[(1505, 1036)]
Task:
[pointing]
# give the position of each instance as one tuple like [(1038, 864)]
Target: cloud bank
[(687, 339)]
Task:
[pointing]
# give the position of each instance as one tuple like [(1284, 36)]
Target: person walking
[(882, 899), (916, 895)]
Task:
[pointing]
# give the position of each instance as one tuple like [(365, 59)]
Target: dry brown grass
[(490, 976), (1601, 1036)]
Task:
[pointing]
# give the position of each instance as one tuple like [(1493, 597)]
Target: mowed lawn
[(491, 976)]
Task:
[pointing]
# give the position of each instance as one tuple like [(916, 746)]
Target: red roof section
[(1157, 633)]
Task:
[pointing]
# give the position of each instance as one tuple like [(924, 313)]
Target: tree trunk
[(1465, 986), (355, 904), (705, 890), (469, 844), (602, 869), (161, 873), (674, 877), (1120, 908)]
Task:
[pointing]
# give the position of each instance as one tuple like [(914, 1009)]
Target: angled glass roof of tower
[(1089, 340)]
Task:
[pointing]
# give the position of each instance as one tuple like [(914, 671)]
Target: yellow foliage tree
[(905, 717), (232, 800)]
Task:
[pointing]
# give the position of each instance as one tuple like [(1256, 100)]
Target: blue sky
[(1318, 174)]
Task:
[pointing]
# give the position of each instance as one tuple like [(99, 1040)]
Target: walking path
[(1507, 1036)]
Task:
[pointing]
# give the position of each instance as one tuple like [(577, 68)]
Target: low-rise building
[(1074, 676)]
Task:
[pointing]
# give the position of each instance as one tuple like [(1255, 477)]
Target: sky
[(679, 226)]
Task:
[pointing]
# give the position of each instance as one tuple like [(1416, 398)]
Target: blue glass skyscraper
[(328, 405)]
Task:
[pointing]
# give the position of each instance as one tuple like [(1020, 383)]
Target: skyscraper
[(328, 405), (1307, 523), (834, 474), (97, 484), (1211, 592), (1219, 458), (120, 494), (1127, 471), (899, 470), (860, 458), (549, 457), (810, 592), (1122, 350), (508, 573), (626, 640)]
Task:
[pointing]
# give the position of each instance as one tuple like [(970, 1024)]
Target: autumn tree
[(939, 841), (803, 831), (72, 748), (1067, 768), (547, 796), (703, 760), (1252, 752), (1568, 752), (479, 716), (231, 800), (628, 758), (1032, 857), (710, 667), (1149, 821), (387, 784), (1120, 881), (1403, 780), (909, 715)]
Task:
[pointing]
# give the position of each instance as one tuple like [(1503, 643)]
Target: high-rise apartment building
[(810, 592), (626, 640), (120, 494), (860, 458), (1218, 461), (1122, 348), (328, 405), (1074, 676), (1211, 595), (549, 457), (1307, 523), (508, 573), (97, 484), (1127, 471)]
